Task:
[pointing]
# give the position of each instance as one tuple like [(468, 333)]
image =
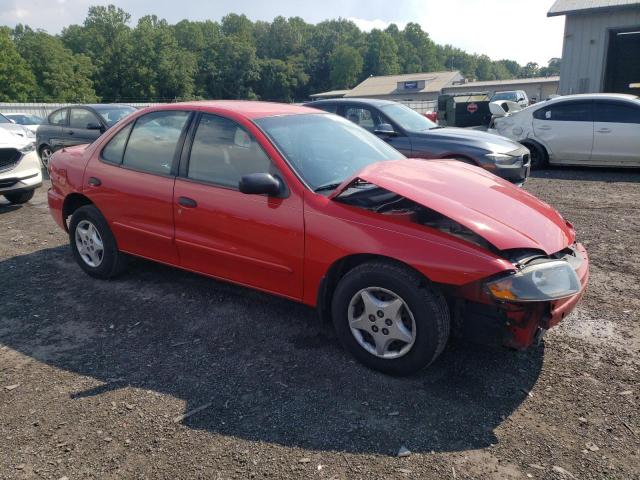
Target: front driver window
[(363, 117), (223, 151), (81, 118)]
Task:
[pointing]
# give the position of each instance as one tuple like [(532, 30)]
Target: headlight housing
[(551, 280), (30, 147), (503, 159)]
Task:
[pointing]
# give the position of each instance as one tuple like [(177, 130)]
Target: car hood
[(13, 136), (475, 138), (504, 215)]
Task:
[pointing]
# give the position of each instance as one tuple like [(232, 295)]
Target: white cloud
[(368, 25)]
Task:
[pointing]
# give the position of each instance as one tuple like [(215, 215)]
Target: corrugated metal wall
[(585, 46)]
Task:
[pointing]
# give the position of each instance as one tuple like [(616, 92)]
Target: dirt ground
[(166, 374)]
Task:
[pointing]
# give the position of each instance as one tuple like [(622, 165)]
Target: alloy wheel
[(89, 243), (45, 155), (381, 322)]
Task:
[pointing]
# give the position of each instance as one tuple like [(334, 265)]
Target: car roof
[(593, 96), (246, 108), (376, 102)]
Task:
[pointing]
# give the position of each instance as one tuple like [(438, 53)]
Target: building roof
[(566, 7), (512, 81), (388, 85), (330, 94)]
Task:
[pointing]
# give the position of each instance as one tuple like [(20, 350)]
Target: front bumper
[(26, 175), (515, 325)]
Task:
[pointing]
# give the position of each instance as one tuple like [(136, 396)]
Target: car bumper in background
[(517, 172), (24, 176)]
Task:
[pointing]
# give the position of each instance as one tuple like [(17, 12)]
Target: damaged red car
[(397, 253)]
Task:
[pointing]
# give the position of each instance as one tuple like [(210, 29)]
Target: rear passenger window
[(59, 117), (223, 151), (153, 141), (114, 150), (566, 112), (616, 113)]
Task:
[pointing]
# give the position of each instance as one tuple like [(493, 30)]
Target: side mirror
[(95, 126), (384, 129), (260, 184)]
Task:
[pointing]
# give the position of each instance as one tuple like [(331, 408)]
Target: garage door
[(623, 62)]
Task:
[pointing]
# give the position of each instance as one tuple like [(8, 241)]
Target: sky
[(513, 29)]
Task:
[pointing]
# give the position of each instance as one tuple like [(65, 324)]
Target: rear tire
[(413, 339), (18, 198), (93, 245)]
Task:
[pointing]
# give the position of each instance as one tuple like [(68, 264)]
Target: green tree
[(382, 54), (530, 70), (61, 75), (346, 66), (17, 82)]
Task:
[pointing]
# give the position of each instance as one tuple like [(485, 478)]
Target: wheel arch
[(340, 268), (71, 203), (531, 141)]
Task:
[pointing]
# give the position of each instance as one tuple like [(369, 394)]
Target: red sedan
[(306, 205)]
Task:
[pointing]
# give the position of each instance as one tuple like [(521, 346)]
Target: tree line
[(106, 59)]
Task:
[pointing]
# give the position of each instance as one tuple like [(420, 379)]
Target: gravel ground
[(165, 374)]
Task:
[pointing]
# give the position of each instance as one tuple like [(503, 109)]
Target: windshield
[(4, 119), (324, 149), (112, 114), (504, 96), (24, 119), (406, 118)]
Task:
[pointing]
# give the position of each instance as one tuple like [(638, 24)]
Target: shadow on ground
[(589, 174), (271, 372)]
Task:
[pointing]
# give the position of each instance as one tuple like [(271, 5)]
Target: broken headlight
[(545, 281)]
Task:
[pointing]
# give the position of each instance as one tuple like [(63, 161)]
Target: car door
[(566, 129), (131, 181), (255, 240), (53, 134), (83, 127), (372, 119), (616, 133)]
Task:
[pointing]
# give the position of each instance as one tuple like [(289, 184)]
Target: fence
[(44, 109)]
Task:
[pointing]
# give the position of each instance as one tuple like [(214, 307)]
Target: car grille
[(9, 157)]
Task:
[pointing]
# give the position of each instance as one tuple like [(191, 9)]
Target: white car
[(20, 172), (516, 96), (599, 129), (28, 120)]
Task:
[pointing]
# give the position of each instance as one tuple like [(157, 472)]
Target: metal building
[(601, 51)]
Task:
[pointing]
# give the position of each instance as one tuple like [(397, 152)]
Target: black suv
[(418, 137), (76, 125)]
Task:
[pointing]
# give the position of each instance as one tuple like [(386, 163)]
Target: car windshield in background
[(22, 119), (4, 119), (324, 150), (408, 119), (504, 96), (112, 114)]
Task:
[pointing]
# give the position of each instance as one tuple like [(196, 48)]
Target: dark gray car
[(416, 136), (76, 125)]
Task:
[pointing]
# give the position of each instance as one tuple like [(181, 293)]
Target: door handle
[(94, 182), (545, 127), (70, 132), (187, 202), (604, 130)]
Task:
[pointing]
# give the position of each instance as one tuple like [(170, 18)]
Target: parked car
[(18, 130), (416, 136), (77, 125), (20, 172), (309, 206), (517, 96), (600, 130), (28, 120)]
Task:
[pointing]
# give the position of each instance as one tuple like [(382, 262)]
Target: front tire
[(45, 153), (390, 318), (539, 156), (93, 244), (19, 198)]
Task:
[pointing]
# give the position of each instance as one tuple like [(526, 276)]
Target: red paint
[(287, 245), (472, 108)]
